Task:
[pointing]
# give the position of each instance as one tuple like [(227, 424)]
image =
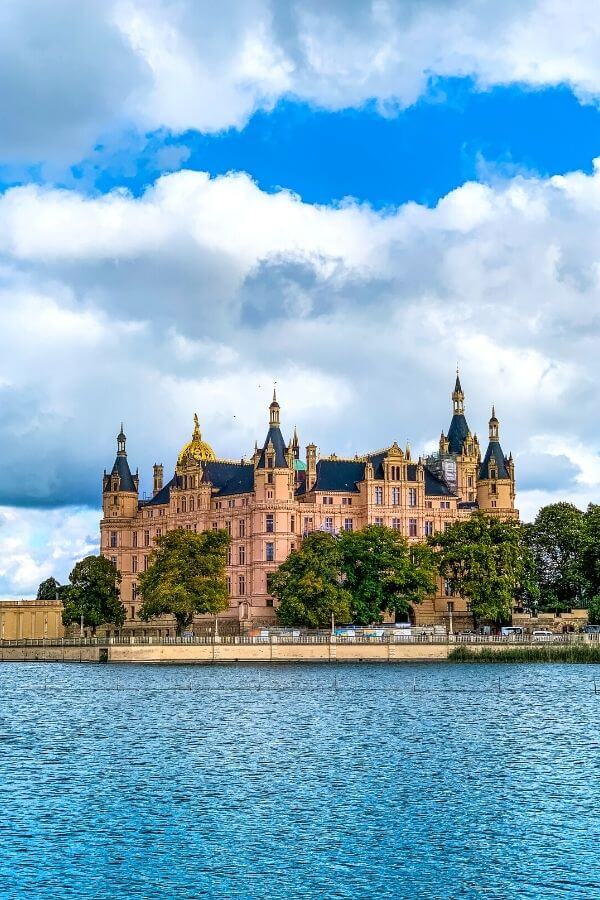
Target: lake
[(313, 781)]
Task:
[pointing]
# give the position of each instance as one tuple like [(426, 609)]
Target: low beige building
[(23, 619), (270, 501)]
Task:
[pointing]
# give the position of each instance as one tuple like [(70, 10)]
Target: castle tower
[(459, 453), (120, 487), (496, 482)]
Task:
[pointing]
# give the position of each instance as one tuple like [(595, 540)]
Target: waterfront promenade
[(308, 648)]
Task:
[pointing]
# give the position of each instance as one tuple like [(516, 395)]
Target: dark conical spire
[(125, 481), (459, 430), (274, 442)]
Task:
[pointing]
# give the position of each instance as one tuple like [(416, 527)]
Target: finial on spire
[(121, 440), (196, 426), (274, 409), (494, 426), (458, 397)]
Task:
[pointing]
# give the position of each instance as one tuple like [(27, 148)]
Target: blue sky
[(454, 133), (343, 197)]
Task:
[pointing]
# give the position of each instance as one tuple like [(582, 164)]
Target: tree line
[(551, 564)]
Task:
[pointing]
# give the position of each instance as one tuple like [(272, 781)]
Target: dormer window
[(270, 462)]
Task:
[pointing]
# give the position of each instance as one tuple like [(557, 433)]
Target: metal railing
[(303, 639)]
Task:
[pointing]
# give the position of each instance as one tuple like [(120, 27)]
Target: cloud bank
[(191, 64)]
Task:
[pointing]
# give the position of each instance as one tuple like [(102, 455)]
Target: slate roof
[(230, 478), (275, 436), (121, 468), (494, 451), (163, 496), (339, 475), (436, 487), (344, 475), (457, 433)]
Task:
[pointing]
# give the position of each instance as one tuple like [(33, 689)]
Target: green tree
[(93, 592), (557, 540), (185, 576), (484, 559), (309, 585), (590, 555), (48, 589), (594, 610), (384, 573)]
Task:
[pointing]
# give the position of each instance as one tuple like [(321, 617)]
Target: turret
[(496, 482), (120, 487), (311, 466)]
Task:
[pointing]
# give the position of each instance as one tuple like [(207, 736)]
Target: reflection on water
[(408, 781)]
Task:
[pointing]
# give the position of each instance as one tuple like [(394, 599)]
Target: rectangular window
[(269, 522), (134, 592), (134, 563), (270, 462), (228, 527), (161, 512), (396, 524), (231, 504), (113, 560), (348, 524), (229, 556), (135, 539), (412, 527), (292, 546), (241, 585), (269, 495), (379, 520), (228, 582), (428, 528), (346, 501), (450, 606), (146, 539), (269, 478), (445, 504), (328, 501), (242, 555), (412, 496), (269, 601), (183, 504), (269, 551), (328, 523), (428, 504), (113, 538), (145, 563), (158, 532), (242, 528), (470, 481), (292, 523), (215, 526), (494, 504), (378, 496), (447, 526), (396, 496), (191, 504), (308, 524), (493, 488)]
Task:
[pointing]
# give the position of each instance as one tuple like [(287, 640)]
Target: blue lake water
[(406, 781)]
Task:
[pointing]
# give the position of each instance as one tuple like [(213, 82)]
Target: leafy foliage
[(93, 592), (357, 576), (486, 560), (185, 576), (48, 589), (590, 553), (557, 542), (594, 610), (383, 573), (309, 584)]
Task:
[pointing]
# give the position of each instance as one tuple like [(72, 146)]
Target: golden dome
[(196, 448)]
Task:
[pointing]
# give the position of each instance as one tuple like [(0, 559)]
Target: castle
[(270, 502)]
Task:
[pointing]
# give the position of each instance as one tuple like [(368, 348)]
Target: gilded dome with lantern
[(196, 449)]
